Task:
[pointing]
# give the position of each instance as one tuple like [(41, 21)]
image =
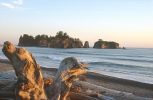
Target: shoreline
[(110, 82), (5, 62)]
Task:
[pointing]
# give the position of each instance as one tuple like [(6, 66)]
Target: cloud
[(8, 5), (18, 2), (13, 4)]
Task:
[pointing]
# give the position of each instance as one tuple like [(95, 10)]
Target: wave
[(122, 69), (70, 52), (123, 57), (51, 57), (132, 59), (115, 65)]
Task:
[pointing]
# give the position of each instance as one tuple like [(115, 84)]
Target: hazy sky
[(128, 22)]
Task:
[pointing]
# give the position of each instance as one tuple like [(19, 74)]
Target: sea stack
[(86, 44), (60, 40), (100, 44)]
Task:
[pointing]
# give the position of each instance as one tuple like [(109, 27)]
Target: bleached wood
[(30, 84), (68, 71), (105, 93)]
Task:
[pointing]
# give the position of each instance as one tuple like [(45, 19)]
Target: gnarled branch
[(30, 85), (68, 71)]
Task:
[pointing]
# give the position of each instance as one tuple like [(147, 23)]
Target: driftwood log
[(103, 93), (30, 82), (67, 73), (79, 91)]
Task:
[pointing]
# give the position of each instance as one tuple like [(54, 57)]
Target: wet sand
[(5, 65)]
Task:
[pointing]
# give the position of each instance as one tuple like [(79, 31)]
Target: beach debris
[(30, 84), (67, 73), (30, 81)]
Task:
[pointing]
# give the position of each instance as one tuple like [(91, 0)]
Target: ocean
[(131, 63)]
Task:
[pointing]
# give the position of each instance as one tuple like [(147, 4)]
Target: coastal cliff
[(106, 44)]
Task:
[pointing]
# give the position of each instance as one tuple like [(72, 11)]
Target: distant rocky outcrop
[(61, 40), (65, 43), (86, 44), (106, 44), (26, 40), (43, 43)]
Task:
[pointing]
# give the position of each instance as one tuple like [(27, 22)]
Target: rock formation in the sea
[(106, 44), (86, 44), (30, 84), (26, 40), (61, 40), (64, 41)]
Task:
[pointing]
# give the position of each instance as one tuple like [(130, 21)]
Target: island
[(106, 44), (62, 40)]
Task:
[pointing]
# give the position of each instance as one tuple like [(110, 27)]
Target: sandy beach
[(135, 88), (4, 66), (76, 50)]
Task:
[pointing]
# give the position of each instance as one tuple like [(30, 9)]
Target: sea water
[(131, 63)]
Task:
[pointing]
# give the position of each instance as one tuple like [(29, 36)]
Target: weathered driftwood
[(68, 71), (30, 85), (78, 96), (86, 91), (104, 93)]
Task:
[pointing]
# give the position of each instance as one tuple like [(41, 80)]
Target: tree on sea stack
[(100, 40)]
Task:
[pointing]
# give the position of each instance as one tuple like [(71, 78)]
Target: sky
[(128, 22)]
